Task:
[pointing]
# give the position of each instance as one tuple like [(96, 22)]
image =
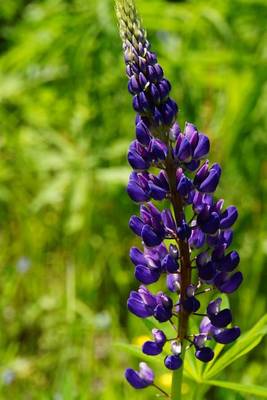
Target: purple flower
[(171, 166), (173, 362), (142, 303), (153, 348), (140, 379)]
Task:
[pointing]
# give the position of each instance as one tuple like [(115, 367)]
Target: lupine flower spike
[(196, 260)]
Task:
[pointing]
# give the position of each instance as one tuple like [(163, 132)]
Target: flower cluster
[(187, 243)]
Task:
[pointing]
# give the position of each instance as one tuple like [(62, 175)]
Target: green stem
[(185, 274), (177, 380)]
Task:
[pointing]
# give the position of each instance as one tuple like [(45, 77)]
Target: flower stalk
[(199, 243)]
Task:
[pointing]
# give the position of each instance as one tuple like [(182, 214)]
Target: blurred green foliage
[(65, 124)]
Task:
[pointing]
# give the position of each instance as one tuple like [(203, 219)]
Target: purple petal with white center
[(214, 306), (174, 252), (199, 340), (135, 380), (173, 282), (174, 131), (190, 129), (159, 336), (206, 327), (147, 296)]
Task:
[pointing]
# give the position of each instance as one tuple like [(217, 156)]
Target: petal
[(184, 186), (158, 149), (142, 133), (156, 192), (202, 148), (150, 237), (230, 284), (229, 262), (227, 335), (169, 264), (173, 282), (159, 336), (173, 362), (197, 238), (138, 307), (168, 220), (211, 224), (136, 224), (204, 354), (151, 348), (137, 257), (136, 193), (134, 379), (209, 185), (136, 161), (147, 275), (222, 319), (214, 306), (162, 314), (191, 304), (207, 271), (228, 217), (185, 150)]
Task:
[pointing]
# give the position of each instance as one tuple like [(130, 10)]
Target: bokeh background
[(65, 125)]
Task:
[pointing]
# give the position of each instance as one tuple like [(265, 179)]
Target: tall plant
[(187, 240)]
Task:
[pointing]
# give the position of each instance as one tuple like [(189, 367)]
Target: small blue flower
[(140, 379)]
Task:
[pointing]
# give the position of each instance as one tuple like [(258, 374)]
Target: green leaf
[(240, 387), (137, 352), (242, 346), (190, 366)]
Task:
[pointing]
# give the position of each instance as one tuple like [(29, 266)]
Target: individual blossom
[(140, 379)]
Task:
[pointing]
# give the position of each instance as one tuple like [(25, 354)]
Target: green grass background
[(65, 125)]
